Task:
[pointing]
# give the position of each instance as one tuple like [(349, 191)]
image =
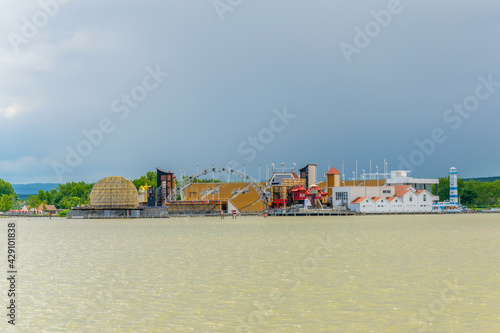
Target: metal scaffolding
[(114, 192)]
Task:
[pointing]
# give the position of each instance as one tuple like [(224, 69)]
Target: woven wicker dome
[(114, 192)]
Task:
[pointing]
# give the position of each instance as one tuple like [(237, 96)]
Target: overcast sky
[(90, 89)]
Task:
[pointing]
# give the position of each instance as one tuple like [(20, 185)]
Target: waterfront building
[(400, 177), (399, 193), (332, 180), (383, 199), (382, 205), (299, 194), (395, 205), (278, 177), (343, 195), (362, 205), (309, 174), (409, 197), (47, 209)]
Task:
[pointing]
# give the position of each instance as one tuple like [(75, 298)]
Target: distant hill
[(483, 179), (32, 189)]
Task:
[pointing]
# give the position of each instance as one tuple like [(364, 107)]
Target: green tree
[(32, 202), (64, 213), (49, 197), (41, 196), (148, 179), (6, 188), (472, 192), (69, 202), (443, 189), (17, 203), (6, 202), (468, 196), (62, 197)]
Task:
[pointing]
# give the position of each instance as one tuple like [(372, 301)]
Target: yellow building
[(332, 180)]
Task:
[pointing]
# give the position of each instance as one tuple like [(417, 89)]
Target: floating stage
[(117, 213), (196, 206)]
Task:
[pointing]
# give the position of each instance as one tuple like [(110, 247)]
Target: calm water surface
[(323, 274)]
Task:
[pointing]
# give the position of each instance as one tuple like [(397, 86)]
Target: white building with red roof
[(399, 194), (383, 199), (363, 205), (409, 198), (395, 205), (381, 205), (425, 200)]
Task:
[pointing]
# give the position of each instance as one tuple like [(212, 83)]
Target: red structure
[(313, 193), (279, 202), (299, 193)]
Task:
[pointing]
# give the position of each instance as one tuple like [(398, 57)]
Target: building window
[(386, 191), (341, 196), (425, 197), (411, 198)]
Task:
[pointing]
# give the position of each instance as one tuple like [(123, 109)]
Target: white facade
[(395, 205), (410, 201), (366, 205), (346, 194), (387, 199), (381, 205), (400, 177), (424, 201)]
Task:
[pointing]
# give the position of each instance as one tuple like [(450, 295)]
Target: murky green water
[(322, 274)]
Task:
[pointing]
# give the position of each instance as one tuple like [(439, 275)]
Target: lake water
[(415, 273)]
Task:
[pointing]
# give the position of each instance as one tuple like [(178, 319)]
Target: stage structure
[(115, 198), (259, 188)]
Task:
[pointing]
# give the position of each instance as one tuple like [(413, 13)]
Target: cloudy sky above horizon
[(90, 89)]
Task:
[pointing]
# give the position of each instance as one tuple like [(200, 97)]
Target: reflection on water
[(316, 274)]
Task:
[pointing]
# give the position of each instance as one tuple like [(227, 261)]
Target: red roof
[(333, 171), (420, 191), (401, 193), (376, 198), (358, 200), (47, 208), (298, 188), (400, 190), (390, 198)]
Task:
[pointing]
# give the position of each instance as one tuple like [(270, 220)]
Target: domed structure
[(114, 192)]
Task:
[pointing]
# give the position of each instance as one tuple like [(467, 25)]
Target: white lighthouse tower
[(453, 186)]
